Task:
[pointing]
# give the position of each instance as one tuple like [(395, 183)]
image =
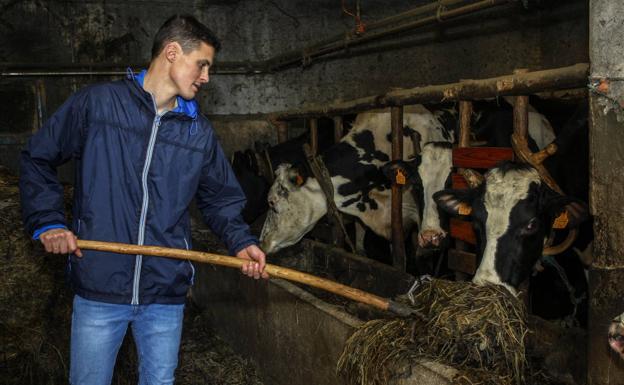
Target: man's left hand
[(257, 262)]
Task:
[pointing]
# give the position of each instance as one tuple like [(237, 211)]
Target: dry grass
[(479, 330)]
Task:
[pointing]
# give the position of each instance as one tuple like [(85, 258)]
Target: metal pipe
[(308, 53), (333, 44)]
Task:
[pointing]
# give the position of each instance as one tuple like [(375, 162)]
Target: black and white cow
[(512, 213), (253, 167), (616, 335), (360, 188)]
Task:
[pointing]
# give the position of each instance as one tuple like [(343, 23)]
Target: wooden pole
[(465, 114), (282, 130), (398, 243), (574, 76), (338, 128), (521, 112), (272, 270), (314, 135)]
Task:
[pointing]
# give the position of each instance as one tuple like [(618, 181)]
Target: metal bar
[(349, 41), (516, 84), (398, 243)]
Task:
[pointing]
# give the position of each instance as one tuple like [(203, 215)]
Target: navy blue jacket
[(136, 174)]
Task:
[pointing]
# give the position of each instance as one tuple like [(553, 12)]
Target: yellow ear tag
[(561, 221), (298, 180), (400, 177), (464, 209)]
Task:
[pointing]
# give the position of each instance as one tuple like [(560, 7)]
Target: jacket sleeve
[(220, 199), (55, 143)]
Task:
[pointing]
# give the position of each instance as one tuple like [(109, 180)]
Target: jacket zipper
[(141, 238), (190, 263)]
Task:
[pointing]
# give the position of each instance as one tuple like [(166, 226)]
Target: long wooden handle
[(273, 270)]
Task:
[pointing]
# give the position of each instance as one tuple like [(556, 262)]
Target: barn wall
[(114, 31), (607, 189)]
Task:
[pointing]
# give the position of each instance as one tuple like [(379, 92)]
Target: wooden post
[(337, 234), (398, 244), (314, 135), (458, 257), (465, 114), (338, 128), (521, 112), (606, 273), (282, 130)]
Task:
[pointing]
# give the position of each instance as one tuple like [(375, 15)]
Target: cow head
[(512, 213), (616, 335), (296, 203)]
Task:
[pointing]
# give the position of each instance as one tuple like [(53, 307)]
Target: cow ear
[(454, 202), (562, 211)]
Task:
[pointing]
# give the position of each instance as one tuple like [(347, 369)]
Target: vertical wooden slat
[(398, 244), (521, 112), (282, 130), (338, 128), (465, 113), (314, 135), (338, 236)]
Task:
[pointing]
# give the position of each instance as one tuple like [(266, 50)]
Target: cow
[(360, 188), (616, 335), (512, 213), (254, 167), (560, 289)]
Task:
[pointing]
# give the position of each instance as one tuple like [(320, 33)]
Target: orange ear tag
[(298, 180), (561, 221), (400, 177), (464, 209)]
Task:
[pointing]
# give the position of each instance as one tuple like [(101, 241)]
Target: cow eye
[(531, 227)]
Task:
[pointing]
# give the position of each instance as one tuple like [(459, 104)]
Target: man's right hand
[(60, 241)]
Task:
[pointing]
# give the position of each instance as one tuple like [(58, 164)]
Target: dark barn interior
[(301, 72)]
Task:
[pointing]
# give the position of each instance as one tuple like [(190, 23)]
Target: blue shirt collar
[(186, 107)]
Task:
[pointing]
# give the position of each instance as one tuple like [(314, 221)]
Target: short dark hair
[(186, 31)]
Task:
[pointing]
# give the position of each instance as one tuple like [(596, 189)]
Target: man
[(142, 152)]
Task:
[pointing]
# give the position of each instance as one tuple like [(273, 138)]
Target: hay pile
[(35, 304), (479, 330)]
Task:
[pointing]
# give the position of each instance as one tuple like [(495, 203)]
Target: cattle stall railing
[(520, 84)]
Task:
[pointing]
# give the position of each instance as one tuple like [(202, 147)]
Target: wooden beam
[(314, 135), (462, 230), (481, 157), (574, 76), (462, 261), (465, 115)]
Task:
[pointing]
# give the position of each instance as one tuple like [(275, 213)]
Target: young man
[(142, 152)]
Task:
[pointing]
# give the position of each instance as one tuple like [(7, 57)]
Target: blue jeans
[(98, 329)]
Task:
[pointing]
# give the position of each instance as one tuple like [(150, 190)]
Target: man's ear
[(454, 202), (562, 211), (172, 51)]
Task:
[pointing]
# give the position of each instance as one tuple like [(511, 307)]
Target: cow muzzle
[(616, 335)]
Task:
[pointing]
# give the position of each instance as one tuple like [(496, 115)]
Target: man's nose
[(204, 77)]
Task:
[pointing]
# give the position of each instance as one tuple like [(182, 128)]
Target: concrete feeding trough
[(297, 334)]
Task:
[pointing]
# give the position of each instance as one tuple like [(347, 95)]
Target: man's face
[(190, 71)]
